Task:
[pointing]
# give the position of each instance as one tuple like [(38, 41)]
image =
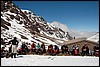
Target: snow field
[(40, 60)]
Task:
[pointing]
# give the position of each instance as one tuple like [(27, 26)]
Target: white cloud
[(60, 25)]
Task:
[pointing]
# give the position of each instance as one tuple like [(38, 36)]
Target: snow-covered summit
[(94, 38)]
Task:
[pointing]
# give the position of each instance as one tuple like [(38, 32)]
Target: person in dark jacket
[(24, 48), (3, 54), (43, 48), (96, 50), (73, 48), (14, 42), (64, 48), (85, 50)]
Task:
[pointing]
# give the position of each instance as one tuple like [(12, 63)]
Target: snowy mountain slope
[(27, 26), (44, 27), (94, 37), (40, 60)]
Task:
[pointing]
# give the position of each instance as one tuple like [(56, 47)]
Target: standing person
[(14, 42)]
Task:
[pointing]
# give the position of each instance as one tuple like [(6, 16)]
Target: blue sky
[(77, 15)]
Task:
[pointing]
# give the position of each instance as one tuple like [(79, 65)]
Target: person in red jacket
[(50, 49), (33, 46)]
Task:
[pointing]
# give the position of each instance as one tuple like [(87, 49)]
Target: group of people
[(51, 49), (38, 49)]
